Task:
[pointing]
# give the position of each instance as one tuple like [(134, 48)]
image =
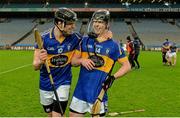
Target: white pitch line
[(14, 69)]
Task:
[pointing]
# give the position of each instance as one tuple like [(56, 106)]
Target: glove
[(108, 82)]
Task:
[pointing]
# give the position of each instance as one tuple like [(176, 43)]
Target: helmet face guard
[(100, 15)]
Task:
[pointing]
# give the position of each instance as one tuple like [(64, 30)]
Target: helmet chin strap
[(62, 29)]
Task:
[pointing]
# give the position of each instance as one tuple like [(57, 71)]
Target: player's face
[(69, 27), (99, 26)]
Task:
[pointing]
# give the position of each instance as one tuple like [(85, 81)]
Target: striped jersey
[(90, 81), (59, 59)]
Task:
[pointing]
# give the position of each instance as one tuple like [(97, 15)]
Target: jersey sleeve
[(78, 39), (120, 54), (78, 48)]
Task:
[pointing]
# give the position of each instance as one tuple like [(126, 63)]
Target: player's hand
[(108, 82), (43, 56), (88, 64)]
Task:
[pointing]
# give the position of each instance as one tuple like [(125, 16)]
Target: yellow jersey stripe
[(77, 52), (108, 62), (122, 59)]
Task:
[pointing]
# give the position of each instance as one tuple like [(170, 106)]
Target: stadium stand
[(12, 31), (29, 41), (119, 29), (14, 23), (153, 32)]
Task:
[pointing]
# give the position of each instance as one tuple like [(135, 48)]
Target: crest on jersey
[(60, 50), (107, 51)]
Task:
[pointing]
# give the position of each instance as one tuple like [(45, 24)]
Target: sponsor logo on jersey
[(98, 61), (50, 48), (60, 46), (59, 60), (99, 46)]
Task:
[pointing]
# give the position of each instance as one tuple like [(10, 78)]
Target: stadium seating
[(119, 29), (13, 30), (29, 41), (152, 32)]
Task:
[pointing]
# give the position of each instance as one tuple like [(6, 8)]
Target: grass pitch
[(153, 87)]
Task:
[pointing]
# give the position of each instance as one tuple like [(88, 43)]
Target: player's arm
[(121, 59), (132, 48), (123, 70), (39, 58), (78, 60)]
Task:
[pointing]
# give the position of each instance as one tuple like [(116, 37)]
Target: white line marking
[(14, 69)]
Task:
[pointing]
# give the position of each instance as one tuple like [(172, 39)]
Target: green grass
[(154, 87)]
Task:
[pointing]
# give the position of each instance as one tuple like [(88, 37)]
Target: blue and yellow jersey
[(90, 82), (59, 59), (166, 45)]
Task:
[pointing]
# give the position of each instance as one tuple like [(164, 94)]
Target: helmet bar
[(101, 15)]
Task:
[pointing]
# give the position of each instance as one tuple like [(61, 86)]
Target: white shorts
[(171, 54), (47, 97), (83, 107)]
